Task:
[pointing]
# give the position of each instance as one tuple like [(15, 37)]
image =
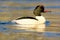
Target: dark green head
[(38, 10)]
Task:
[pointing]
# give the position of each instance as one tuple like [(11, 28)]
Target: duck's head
[(38, 10)]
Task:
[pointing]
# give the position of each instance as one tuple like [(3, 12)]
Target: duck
[(38, 17), (32, 21), (36, 23)]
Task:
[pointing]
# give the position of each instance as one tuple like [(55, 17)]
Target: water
[(10, 11), (9, 31)]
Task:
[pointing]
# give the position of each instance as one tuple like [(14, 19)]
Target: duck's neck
[(39, 18)]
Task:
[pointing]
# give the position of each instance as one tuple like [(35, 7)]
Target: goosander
[(30, 22), (39, 19)]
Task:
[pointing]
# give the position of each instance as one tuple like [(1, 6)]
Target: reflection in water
[(36, 27)]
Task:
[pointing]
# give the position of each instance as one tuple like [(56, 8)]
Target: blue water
[(52, 34), (21, 7), (7, 31), (33, 0)]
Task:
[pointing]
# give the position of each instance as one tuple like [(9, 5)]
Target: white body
[(31, 23)]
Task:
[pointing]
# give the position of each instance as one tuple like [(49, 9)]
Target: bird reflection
[(32, 27)]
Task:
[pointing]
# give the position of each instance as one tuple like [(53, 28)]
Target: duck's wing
[(26, 18)]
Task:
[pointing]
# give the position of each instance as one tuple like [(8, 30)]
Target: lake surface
[(10, 10)]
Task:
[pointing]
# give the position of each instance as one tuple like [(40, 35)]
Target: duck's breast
[(41, 19)]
